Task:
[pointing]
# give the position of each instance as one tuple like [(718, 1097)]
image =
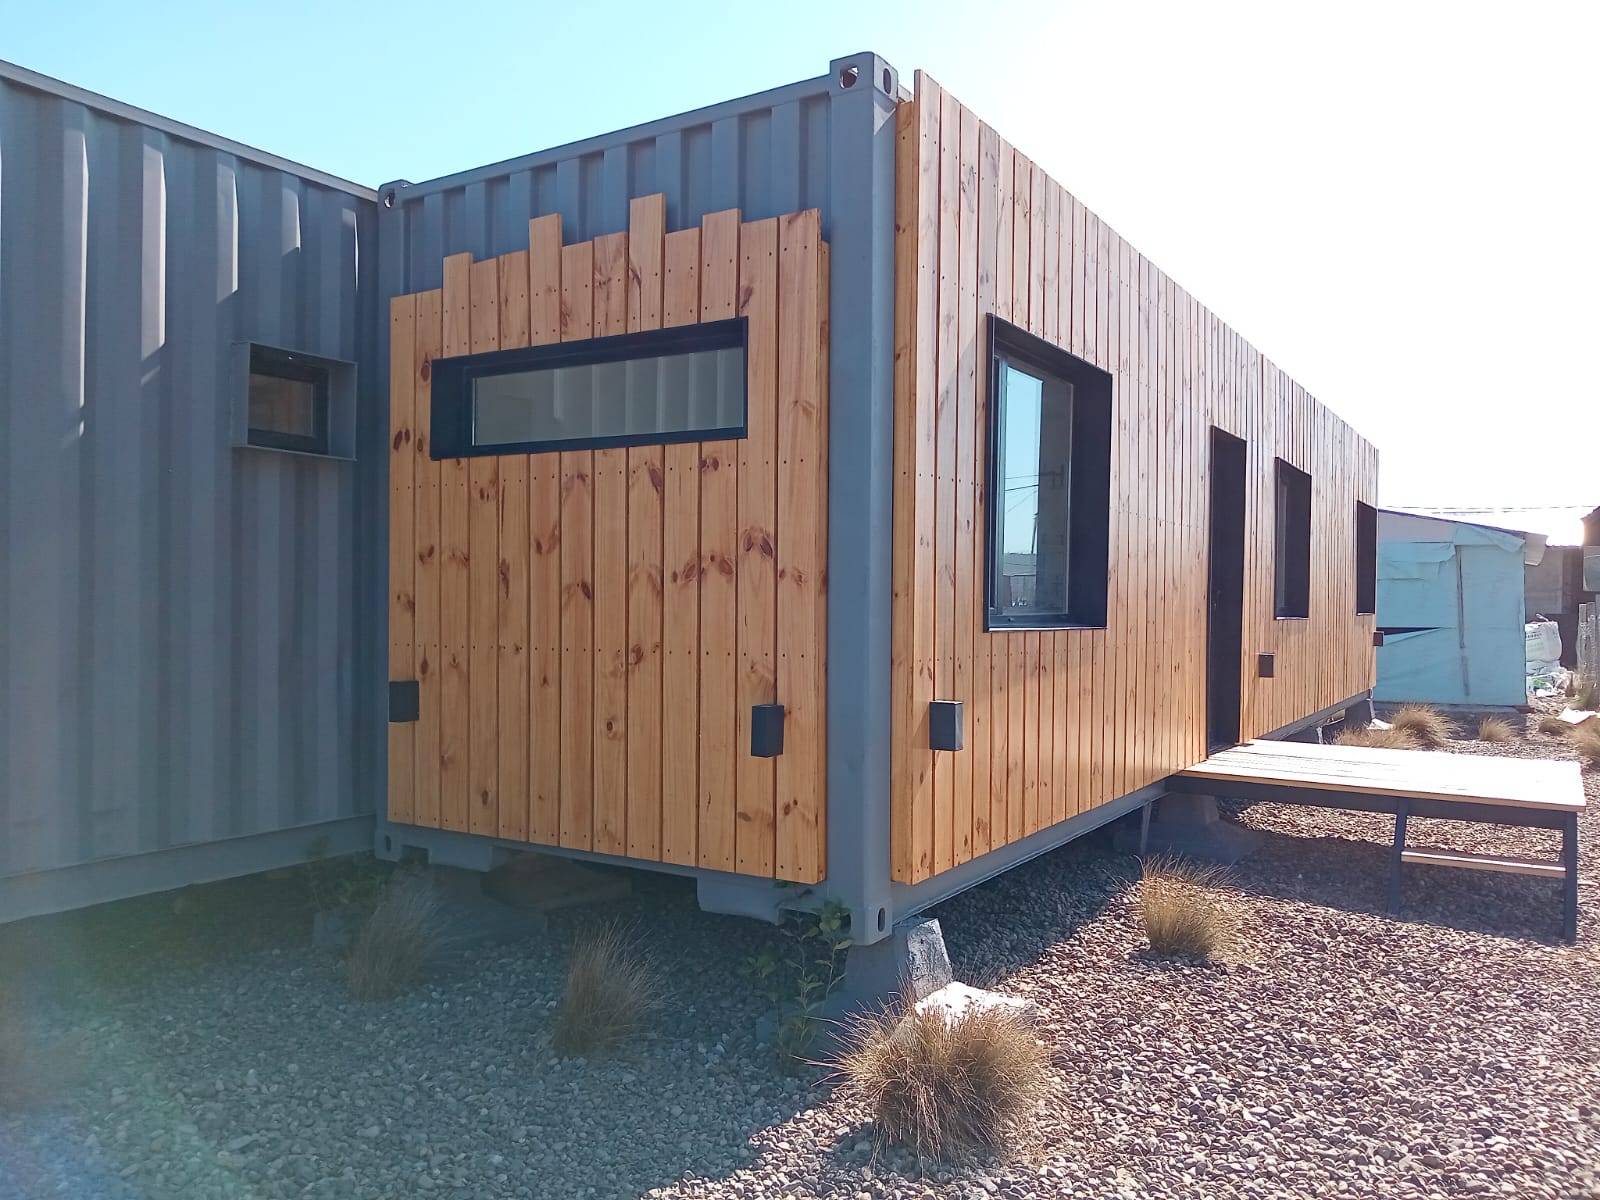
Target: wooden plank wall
[(1061, 721), (589, 629)]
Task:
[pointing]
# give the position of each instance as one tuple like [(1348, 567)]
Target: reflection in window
[(649, 397), (1034, 486), (1048, 481), (654, 387), (287, 401)]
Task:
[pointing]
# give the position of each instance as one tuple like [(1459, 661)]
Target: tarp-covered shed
[(1450, 606)]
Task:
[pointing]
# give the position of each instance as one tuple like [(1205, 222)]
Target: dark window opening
[(288, 401), (1049, 478), (652, 388), (1291, 562), (1366, 558), (1230, 474)]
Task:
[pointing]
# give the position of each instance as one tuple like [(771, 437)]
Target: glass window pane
[(649, 396), (1033, 523), (285, 406), (1280, 556), (1292, 541)]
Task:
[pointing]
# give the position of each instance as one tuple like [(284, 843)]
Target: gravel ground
[(203, 1049)]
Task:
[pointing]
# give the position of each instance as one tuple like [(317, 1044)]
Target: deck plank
[(1426, 774), (1505, 864)]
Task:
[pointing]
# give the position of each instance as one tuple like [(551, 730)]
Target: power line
[(1479, 508)]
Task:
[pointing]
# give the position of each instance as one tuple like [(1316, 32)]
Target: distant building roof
[(1562, 524), (1459, 516), (1533, 544)]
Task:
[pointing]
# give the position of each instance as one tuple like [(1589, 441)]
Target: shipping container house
[(806, 494)]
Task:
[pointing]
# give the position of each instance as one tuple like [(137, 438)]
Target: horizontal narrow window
[(287, 401), (659, 386), (1049, 484)]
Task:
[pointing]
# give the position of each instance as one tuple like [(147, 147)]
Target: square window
[(1366, 558), (288, 401), (1049, 484), (1291, 560)]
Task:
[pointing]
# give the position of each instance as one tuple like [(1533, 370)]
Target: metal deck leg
[(1144, 827), (1569, 895), (1395, 860)]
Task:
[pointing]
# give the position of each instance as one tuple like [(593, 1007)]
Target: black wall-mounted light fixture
[(945, 725), (405, 701), (766, 730), (1266, 665)]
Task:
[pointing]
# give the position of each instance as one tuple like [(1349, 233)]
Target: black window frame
[(1366, 539), (1291, 542), (452, 378), (275, 363), (1089, 483)]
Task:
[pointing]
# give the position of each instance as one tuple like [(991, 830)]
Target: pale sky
[(1395, 201)]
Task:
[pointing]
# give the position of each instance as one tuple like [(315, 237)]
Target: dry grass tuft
[(1430, 727), (1493, 729), (1554, 725), (392, 949), (1380, 739), (947, 1087), (1586, 741), (612, 989), (1184, 908)]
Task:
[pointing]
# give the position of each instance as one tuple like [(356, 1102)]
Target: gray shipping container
[(183, 628), (193, 645)]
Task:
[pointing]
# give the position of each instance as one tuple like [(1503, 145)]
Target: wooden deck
[(1538, 793), (1415, 774)]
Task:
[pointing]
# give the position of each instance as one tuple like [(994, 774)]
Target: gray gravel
[(1452, 1053)]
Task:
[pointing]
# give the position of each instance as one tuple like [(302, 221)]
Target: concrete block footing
[(541, 884), (908, 968), (909, 965), (741, 896), (1192, 827), (1359, 714)]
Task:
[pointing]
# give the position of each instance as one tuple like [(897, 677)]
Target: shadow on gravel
[(126, 944), (1352, 875), (1005, 925), (223, 1055)]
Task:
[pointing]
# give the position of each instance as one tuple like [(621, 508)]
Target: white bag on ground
[(1542, 643)]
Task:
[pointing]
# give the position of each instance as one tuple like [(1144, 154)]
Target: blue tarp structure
[(1450, 600)]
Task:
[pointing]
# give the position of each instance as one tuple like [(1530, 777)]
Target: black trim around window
[(1366, 558), (1088, 487), (1291, 575), (285, 364), (451, 433)]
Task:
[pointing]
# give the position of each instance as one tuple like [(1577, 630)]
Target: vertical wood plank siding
[(1061, 721), (590, 628)]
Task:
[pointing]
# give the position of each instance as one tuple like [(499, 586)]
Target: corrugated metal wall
[(192, 634), (183, 624), (765, 155), (824, 143)]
